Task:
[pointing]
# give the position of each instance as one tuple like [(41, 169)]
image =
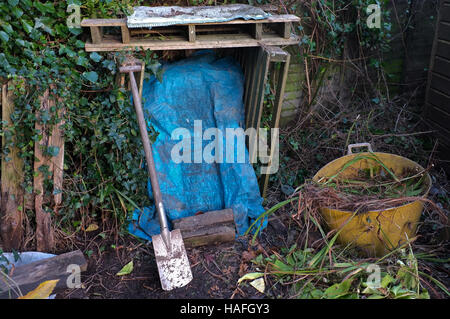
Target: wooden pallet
[(276, 30)]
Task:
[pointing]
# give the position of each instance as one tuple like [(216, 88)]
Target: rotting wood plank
[(12, 195), (206, 219), (213, 235), (210, 228), (29, 276), (45, 240)]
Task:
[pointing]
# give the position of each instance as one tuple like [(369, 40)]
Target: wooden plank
[(286, 29), (276, 113), (443, 49), (12, 197), (445, 12), (442, 67), (202, 42), (57, 140), (44, 232), (250, 63), (96, 35), (191, 33), (210, 228), (104, 22), (125, 34), (252, 94), (29, 276), (257, 31), (440, 83), (213, 235), (259, 101), (444, 31), (206, 219), (439, 99), (439, 116)]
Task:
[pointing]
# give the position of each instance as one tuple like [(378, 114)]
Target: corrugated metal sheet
[(164, 16), (437, 110)]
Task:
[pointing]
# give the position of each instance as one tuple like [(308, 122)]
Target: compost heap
[(196, 94), (369, 189)]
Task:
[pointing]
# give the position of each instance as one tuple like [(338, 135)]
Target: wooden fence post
[(12, 199), (44, 232)]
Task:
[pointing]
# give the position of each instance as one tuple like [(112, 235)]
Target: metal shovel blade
[(173, 264)]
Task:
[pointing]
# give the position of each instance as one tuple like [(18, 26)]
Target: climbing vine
[(38, 51)]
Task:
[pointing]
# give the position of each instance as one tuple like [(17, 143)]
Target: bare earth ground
[(216, 269)]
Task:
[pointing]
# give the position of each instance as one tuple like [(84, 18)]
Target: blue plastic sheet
[(208, 89)]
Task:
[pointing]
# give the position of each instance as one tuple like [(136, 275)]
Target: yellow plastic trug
[(375, 232)]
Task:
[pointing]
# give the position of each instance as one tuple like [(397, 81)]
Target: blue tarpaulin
[(197, 94)]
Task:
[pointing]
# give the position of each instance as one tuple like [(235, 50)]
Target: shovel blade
[(173, 265)]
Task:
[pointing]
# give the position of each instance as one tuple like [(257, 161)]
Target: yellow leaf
[(250, 276), (91, 227), (259, 284), (42, 291), (126, 270)]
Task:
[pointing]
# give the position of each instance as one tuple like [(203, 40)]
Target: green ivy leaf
[(28, 28), (13, 3), (95, 57), (91, 76), (4, 36)]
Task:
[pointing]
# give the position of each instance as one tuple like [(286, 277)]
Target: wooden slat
[(257, 31), (210, 228), (436, 114), (439, 99), (44, 232), (442, 67), (125, 34), (103, 22), (442, 133), (250, 58), (57, 140), (12, 197), (443, 49), (202, 42), (445, 13), (276, 55), (29, 276), (252, 90), (191, 33), (206, 219), (440, 83), (96, 35), (444, 31)]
